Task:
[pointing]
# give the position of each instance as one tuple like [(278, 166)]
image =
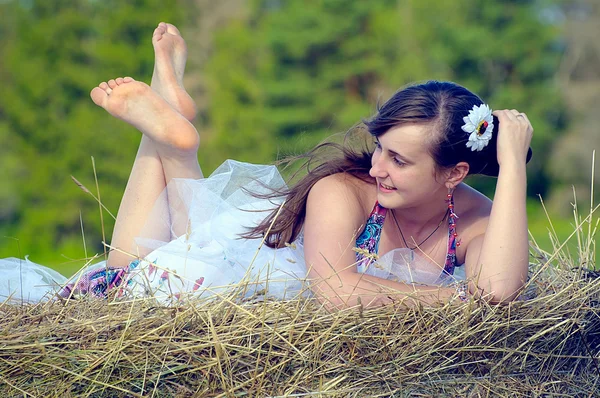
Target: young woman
[(394, 223)]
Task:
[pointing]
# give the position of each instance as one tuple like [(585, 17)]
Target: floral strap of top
[(367, 243)]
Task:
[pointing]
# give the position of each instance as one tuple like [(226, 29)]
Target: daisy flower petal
[(479, 123)]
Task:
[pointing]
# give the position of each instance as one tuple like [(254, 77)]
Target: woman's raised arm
[(497, 261)]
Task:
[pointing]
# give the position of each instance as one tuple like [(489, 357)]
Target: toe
[(103, 86), (172, 29), (119, 81), (128, 79), (98, 96), (158, 34), (112, 83)]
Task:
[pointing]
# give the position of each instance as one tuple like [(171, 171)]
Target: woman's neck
[(419, 218)]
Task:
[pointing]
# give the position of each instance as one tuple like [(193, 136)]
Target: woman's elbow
[(500, 293)]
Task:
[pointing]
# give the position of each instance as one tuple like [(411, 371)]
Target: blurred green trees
[(53, 52), (289, 73), (273, 77)]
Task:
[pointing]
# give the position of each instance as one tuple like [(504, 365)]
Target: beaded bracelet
[(462, 291)]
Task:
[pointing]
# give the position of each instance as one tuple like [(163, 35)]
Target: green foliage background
[(275, 78)]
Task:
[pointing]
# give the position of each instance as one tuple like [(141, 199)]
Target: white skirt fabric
[(193, 245), (208, 256), (24, 281)]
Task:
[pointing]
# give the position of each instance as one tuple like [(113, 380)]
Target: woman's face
[(404, 169)]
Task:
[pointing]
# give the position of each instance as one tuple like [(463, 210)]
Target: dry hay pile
[(545, 346)]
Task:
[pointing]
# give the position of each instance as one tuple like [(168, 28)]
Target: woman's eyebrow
[(394, 153)]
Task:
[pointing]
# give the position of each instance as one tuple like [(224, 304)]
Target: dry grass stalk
[(549, 344)]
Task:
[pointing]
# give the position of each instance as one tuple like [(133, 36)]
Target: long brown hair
[(352, 156), (440, 105)]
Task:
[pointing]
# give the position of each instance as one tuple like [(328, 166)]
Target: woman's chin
[(387, 201)]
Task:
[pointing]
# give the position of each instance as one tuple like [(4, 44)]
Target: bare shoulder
[(335, 211), (344, 188), (473, 209), (345, 191)]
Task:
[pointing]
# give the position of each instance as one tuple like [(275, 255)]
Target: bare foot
[(137, 104), (170, 54)]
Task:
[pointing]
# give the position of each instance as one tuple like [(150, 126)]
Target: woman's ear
[(457, 174)]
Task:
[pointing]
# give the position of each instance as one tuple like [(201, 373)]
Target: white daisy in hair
[(479, 124)]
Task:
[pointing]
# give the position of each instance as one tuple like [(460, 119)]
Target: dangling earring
[(452, 215)]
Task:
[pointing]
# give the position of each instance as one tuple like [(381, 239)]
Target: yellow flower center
[(481, 128)]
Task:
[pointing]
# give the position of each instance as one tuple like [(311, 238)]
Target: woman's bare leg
[(146, 182), (148, 176)]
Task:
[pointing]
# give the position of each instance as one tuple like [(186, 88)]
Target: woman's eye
[(398, 162)]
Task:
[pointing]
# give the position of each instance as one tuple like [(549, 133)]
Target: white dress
[(207, 258), (192, 237)]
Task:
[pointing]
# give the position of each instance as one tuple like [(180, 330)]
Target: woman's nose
[(377, 167)]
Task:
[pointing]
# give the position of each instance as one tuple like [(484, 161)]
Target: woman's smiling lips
[(386, 188)]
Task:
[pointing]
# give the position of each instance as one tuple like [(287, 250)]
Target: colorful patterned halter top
[(368, 240)]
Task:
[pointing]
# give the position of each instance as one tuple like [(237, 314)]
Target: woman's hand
[(514, 136)]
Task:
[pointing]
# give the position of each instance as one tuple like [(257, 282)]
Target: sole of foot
[(137, 104), (170, 56)]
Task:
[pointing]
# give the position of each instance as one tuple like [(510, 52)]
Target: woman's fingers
[(506, 114), (526, 119), (513, 115), (520, 115), (514, 134)]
